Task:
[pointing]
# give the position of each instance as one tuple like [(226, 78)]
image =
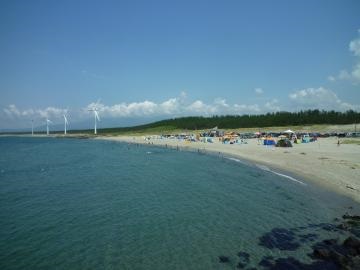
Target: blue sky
[(159, 59)]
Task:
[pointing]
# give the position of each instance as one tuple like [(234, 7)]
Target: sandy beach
[(324, 163)]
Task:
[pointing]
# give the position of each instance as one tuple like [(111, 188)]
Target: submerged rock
[(353, 245), (345, 255), (291, 263), (224, 259), (244, 259), (352, 217), (279, 238)]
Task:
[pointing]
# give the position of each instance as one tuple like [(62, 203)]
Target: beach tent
[(269, 141), (290, 133), (284, 143)]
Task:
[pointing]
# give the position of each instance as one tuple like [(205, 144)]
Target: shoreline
[(322, 163)]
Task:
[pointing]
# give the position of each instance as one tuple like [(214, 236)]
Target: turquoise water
[(91, 204)]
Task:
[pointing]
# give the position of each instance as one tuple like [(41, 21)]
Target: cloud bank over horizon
[(304, 99)]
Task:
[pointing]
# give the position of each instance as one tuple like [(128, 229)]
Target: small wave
[(280, 174), (148, 152), (236, 160)]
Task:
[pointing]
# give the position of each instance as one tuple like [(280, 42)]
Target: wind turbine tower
[(66, 122), (32, 127), (96, 118), (47, 126)]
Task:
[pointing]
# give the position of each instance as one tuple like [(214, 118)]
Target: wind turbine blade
[(97, 115)]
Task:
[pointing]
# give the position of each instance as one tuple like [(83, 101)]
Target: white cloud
[(344, 75), (259, 91), (221, 102), (354, 47), (354, 74), (246, 109), (199, 107), (310, 98), (172, 107), (13, 112), (319, 98), (273, 105)]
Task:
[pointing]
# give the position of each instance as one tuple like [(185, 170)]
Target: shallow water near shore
[(75, 204)]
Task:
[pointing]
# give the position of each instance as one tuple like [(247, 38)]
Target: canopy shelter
[(289, 131)]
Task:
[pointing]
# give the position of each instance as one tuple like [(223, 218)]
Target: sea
[(95, 204)]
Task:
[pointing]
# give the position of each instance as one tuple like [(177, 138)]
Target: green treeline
[(309, 117)]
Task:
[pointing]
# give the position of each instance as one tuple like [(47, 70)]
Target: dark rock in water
[(330, 242), (345, 255), (244, 259), (240, 265), (308, 237), (279, 238), (328, 227), (327, 250), (324, 226), (354, 217), (355, 263), (353, 244), (343, 226), (244, 256), (321, 253), (351, 224), (267, 262), (291, 263), (224, 259)]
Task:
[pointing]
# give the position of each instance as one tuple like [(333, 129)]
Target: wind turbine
[(66, 122), (96, 116), (32, 127), (47, 126)]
